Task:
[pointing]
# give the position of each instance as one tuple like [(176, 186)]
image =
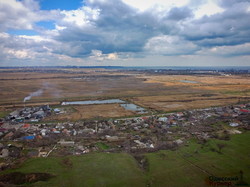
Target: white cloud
[(20, 54), (4, 35), (80, 17), (236, 50), (112, 56), (99, 56), (59, 28), (35, 38), (110, 31), (23, 15), (25, 47), (162, 4), (14, 4), (208, 9), (169, 45), (13, 14)]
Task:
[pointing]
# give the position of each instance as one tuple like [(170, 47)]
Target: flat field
[(156, 92), (80, 112)]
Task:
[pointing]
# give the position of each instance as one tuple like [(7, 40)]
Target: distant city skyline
[(124, 33)]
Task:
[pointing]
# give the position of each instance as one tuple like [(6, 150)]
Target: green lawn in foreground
[(192, 165), (101, 169), (188, 166)]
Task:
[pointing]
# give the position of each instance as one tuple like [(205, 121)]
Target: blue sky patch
[(46, 24), (60, 4)]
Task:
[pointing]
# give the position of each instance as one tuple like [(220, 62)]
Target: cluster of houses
[(31, 114), (146, 133)]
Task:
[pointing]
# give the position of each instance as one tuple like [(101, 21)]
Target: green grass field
[(3, 113), (188, 166), (192, 165)]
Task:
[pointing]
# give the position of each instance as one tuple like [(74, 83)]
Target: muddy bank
[(19, 178)]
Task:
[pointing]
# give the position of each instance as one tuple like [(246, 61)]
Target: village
[(23, 134)]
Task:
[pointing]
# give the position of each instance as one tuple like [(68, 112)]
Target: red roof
[(3, 129), (244, 110), (26, 125)]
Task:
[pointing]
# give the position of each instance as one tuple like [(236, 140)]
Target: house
[(244, 111), (57, 110), (45, 108), (66, 143), (26, 126), (42, 154), (4, 153), (39, 114), (178, 142), (112, 138), (43, 132), (180, 114), (3, 130), (14, 113), (234, 124), (19, 119), (163, 119)]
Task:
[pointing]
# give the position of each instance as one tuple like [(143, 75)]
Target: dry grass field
[(156, 92), (80, 112), (201, 91)]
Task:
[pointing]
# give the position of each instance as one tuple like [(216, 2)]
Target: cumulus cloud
[(109, 30), (228, 51), (228, 28), (123, 28), (23, 14), (24, 47), (170, 45), (230, 3), (179, 13), (208, 9), (99, 56), (106, 28), (15, 15), (81, 17), (160, 4)]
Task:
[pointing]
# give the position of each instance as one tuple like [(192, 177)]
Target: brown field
[(220, 83), (156, 92), (80, 112)]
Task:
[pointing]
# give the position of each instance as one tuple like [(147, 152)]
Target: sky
[(124, 33)]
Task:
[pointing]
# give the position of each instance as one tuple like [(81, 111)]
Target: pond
[(187, 81), (134, 107), (90, 102)]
